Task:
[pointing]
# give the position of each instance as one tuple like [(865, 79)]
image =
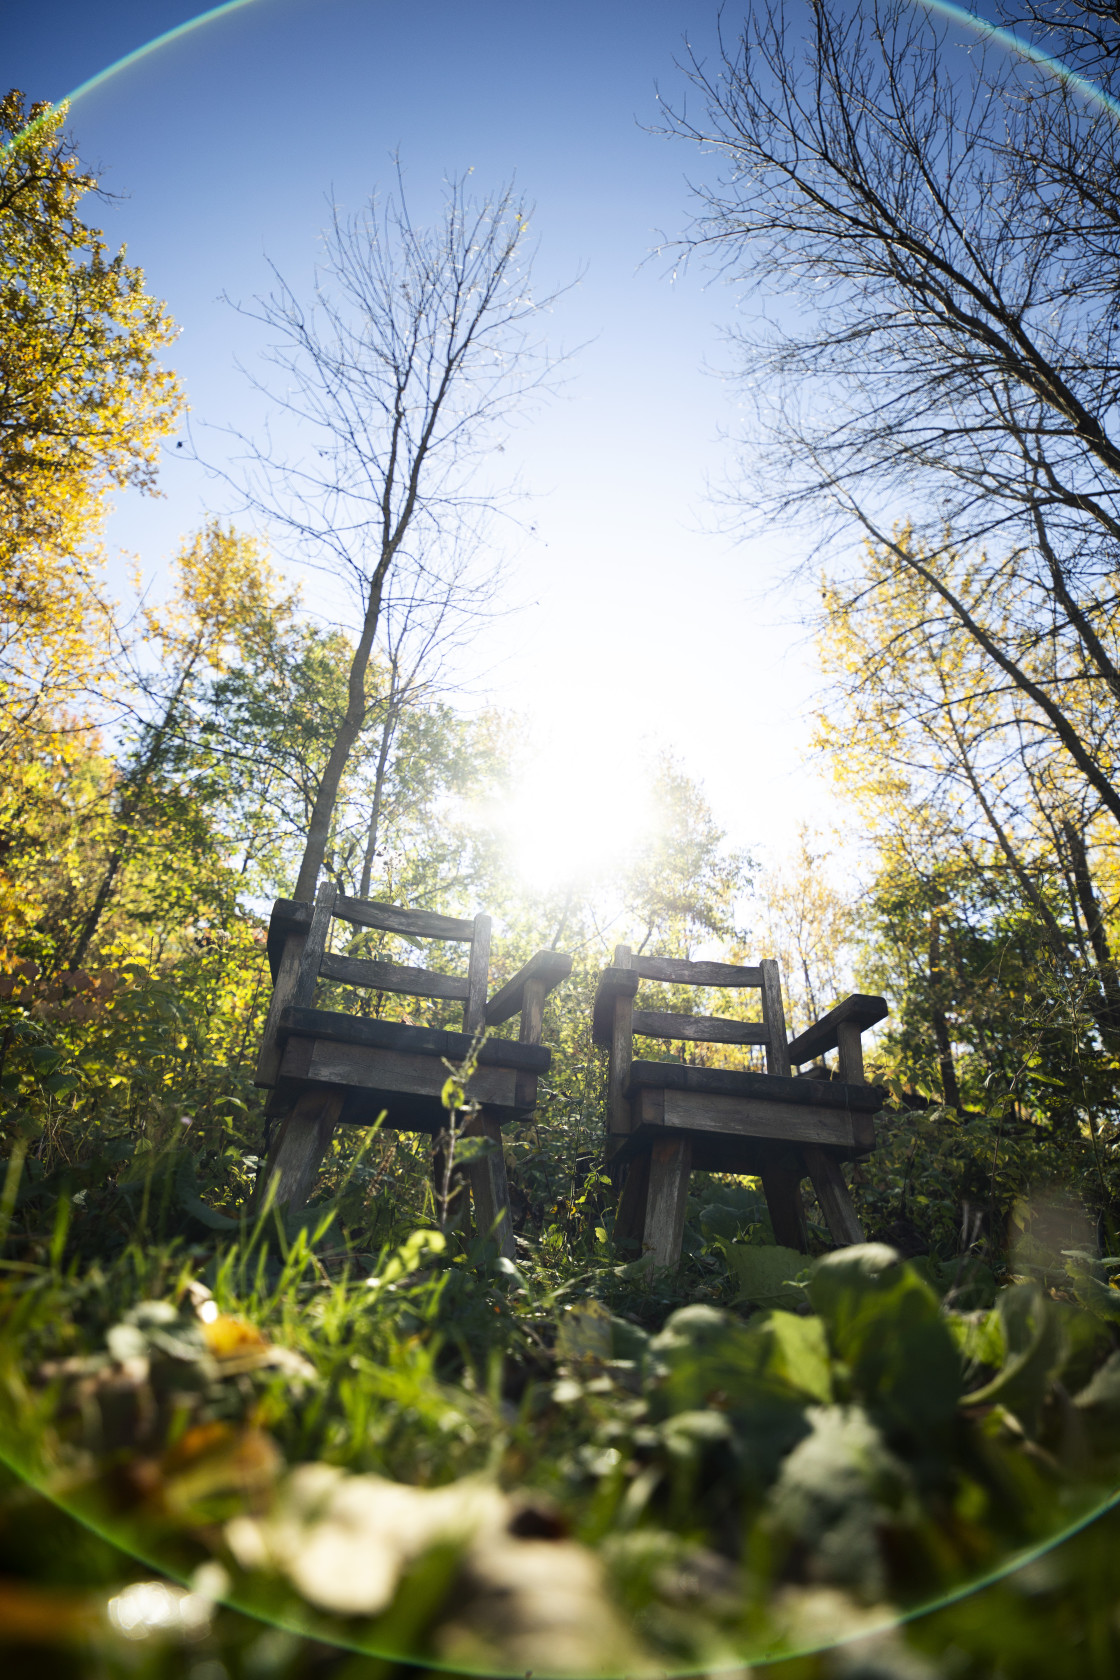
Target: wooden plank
[(283, 991), (621, 1051), (629, 1221), (391, 918), (832, 1194), (670, 1164), (396, 1035), (393, 977), (850, 1045), (289, 916), (782, 1188), (744, 1082), (315, 945), (777, 1052), (322, 1062), (613, 982), (755, 1117), (478, 974), (550, 967), (703, 1029), (490, 1185), (303, 1140), (649, 1110), (532, 1012), (675, 971), (821, 1037)]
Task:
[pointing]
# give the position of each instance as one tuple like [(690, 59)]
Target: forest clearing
[(437, 1244)]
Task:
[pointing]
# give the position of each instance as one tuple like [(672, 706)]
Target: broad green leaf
[(883, 1321), (1036, 1344), (763, 1274)]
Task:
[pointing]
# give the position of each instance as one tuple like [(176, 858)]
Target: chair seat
[(399, 1070), (770, 1087)]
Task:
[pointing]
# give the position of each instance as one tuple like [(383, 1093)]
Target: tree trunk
[(326, 795), (387, 732), (938, 1017), (135, 787)]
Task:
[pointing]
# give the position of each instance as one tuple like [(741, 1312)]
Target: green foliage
[(284, 1408)]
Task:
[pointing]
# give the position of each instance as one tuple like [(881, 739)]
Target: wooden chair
[(666, 1119), (326, 1067)]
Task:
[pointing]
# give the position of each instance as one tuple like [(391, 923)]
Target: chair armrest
[(859, 1009), (613, 983), (289, 915), (550, 967)]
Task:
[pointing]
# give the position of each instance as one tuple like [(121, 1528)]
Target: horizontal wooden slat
[(392, 977), (400, 1035), (769, 1087), (675, 971), (703, 1029), (322, 1062), (820, 1038), (549, 966), (779, 1121), (423, 924)]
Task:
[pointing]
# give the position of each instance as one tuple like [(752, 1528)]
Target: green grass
[(679, 1477)]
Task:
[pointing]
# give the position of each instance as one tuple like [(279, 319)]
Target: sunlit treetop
[(83, 406), (83, 399)]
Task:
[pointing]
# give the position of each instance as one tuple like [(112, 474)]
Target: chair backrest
[(298, 938), (713, 1029), (318, 963)]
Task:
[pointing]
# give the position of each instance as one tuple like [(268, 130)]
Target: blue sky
[(224, 147)]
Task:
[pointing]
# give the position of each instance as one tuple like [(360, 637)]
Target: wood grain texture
[(849, 1043), (755, 1117), (289, 916), (773, 1013), (832, 1193), (314, 946), (303, 1140), (670, 1164), (531, 1025), (781, 1185), (391, 918), (821, 1037), (621, 1052), (490, 1185), (325, 1062), (478, 974), (393, 977), (283, 991), (399, 1035), (675, 971), (629, 1221), (550, 967), (703, 1029), (771, 1087), (614, 982)]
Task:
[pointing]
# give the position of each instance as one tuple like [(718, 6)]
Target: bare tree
[(938, 218), (401, 374)]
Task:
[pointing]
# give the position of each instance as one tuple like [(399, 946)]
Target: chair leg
[(832, 1193), (781, 1186), (629, 1221), (669, 1169), (490, 1185), (303, 1140)]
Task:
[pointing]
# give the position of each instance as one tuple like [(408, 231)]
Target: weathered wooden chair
[(666, 1119), (327, 1068)]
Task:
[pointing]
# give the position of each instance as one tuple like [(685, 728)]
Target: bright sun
[(575, 814)]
